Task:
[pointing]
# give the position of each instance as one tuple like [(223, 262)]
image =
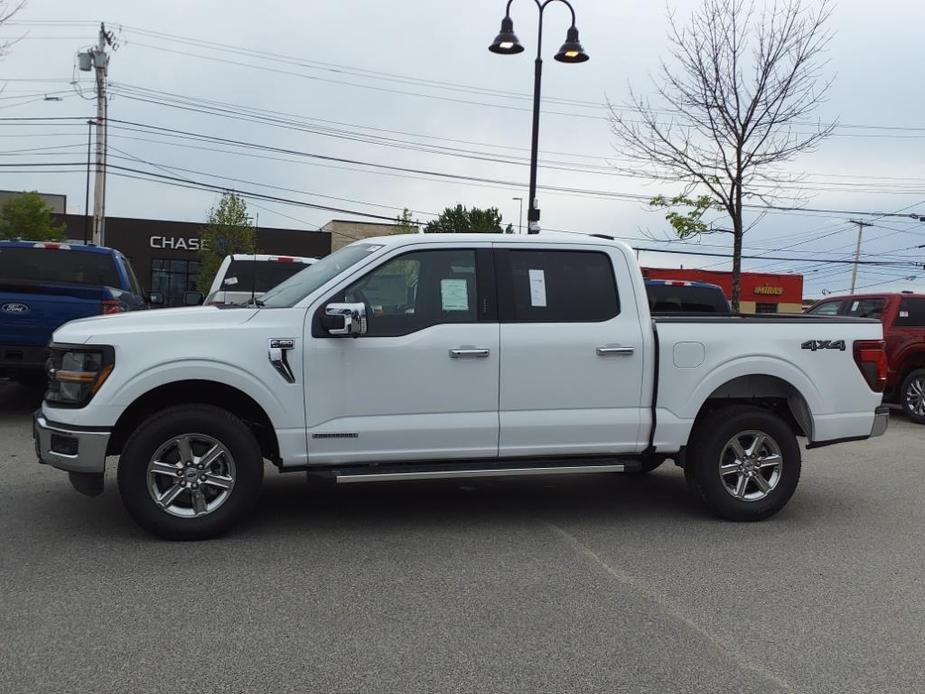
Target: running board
[(343, 477)]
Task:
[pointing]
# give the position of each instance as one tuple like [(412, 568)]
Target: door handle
[(617, 351), (468, 353)]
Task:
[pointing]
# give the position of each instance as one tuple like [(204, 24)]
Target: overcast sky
[(377, 83)]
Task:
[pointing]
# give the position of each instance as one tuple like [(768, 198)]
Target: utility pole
[(97, 59), (857, 250)]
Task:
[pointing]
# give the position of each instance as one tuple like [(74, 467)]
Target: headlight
[(76, 372)]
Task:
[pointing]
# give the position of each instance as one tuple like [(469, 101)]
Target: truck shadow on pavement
[(284, 505), (289, 507)]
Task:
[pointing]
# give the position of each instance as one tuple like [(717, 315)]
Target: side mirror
[(343, 320), (156, 298), (192, 298)]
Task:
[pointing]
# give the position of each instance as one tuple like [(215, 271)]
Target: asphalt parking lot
[(610, 584)]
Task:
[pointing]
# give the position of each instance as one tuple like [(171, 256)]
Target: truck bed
[(806, 360)]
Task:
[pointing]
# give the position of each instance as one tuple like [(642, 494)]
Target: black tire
[(710, 446), (246, 470), (913, 389)]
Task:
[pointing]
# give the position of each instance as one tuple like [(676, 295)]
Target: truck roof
[(543, 237), (682, 283), (59, 245), (870, 295), (277, 257)]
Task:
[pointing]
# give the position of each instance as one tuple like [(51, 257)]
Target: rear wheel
[(912, 396), (190, 472), (744, 463)]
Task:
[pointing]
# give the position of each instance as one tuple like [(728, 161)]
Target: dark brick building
[(165, 254)]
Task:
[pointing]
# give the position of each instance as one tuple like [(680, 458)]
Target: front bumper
[(68, 448), (881, 421)]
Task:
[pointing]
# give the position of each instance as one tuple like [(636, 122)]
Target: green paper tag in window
[(454, 295)]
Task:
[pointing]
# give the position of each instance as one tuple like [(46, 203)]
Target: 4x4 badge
[(816, 345)]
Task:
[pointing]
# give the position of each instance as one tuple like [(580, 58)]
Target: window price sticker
[(537, 288)]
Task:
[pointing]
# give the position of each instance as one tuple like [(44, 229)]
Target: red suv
[(903, 318)]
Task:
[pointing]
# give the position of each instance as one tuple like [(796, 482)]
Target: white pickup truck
[(450, 356)]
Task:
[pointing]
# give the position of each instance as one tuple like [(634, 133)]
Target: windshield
[(259, 275), (297, 287)]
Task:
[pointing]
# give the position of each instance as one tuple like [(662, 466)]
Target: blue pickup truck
[(44, 285)]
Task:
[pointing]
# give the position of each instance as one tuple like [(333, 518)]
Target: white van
[(245, 276)]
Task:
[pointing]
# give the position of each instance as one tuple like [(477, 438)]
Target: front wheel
[(190, 472), (744, 463), (912, 396)]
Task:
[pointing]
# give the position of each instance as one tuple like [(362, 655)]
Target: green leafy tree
[(28, 216), (690, 223), (464, 220), (229, 230), (405, 224)]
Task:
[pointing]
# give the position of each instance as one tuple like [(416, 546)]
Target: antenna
[(254, 271)]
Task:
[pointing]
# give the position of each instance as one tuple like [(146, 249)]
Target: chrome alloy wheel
[(191, 475), (750, 465), (915, 397)]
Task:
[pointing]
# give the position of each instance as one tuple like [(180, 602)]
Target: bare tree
[(8, 8), (733, 101)]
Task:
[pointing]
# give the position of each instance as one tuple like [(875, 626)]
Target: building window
[(765, 308), (173, 278)]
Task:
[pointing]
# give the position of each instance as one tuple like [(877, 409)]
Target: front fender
[(229, 374)]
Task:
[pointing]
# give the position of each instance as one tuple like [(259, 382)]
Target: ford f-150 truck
[(45, 284), (450, 356)]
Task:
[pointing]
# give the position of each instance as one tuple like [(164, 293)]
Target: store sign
[(177, 243), (766, 290)]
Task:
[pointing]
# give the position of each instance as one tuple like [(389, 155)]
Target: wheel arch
[(767, 392), (912, 361), (197, 391)]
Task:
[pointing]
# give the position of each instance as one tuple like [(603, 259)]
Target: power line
[(406, 79)]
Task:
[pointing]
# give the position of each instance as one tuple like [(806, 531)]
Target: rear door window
[(550, 286), (911, 313), (56, 265)]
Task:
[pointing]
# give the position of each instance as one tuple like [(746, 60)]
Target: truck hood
[(107, 329)]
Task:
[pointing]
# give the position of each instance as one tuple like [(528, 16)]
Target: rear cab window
[(58, 265), (665, 298), (911, 313), (259, 275)]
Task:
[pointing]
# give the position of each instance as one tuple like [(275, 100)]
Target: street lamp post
[(507, 43), (520, 218), (90, 124)]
